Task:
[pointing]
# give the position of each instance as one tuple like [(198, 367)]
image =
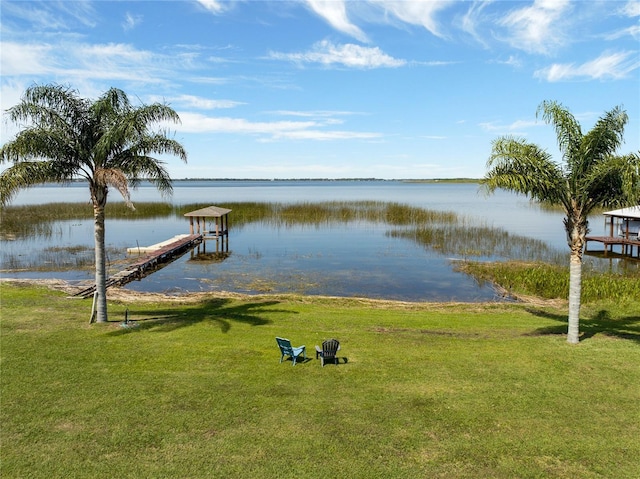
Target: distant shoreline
[(403, 180), (328, 180)]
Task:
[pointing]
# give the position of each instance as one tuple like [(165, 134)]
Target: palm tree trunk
[(575, 288), (576, 225), (101, 268)]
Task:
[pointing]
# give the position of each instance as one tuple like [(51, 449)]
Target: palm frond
[(49, 106), (149, 168), (615, 182), (26, 174), (156, 113), (568, 130), (109, 142), (136, 162), (114, 102), (38, 143), (161, 144), (605, 137), (523, 167), (115, 178), (129, 132)]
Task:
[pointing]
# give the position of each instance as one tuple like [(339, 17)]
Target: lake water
[(353, 259)]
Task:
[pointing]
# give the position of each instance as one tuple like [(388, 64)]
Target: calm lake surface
[(341, 259)]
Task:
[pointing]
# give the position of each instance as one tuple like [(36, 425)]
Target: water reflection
[(365, 250), (359, 260)]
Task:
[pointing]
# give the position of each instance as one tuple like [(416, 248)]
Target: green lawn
[(196, 390)]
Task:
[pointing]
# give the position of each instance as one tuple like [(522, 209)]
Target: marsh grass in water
[(479, 241), (25, 221), (321, 213), (68, 257), (58, 258), (551, 281), (444, 232)]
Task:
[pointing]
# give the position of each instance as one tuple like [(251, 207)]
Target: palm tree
[(591, 177), (107, 142)]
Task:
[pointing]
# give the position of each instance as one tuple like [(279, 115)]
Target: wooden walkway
[(609, 242), (150, 262)]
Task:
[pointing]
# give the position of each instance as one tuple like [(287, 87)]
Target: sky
[(335, 88)]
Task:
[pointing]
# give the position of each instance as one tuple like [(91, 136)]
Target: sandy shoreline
[(121, 294), (124, 295)]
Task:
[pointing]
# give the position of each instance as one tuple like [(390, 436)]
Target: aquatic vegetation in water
[(25, 221), (480, 241), (550, 281), (444, 232), (322, 213), (55, 258)]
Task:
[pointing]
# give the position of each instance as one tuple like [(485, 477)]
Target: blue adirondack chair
[(287, 350)]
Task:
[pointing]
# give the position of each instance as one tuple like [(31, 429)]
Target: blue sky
[(332, 88)]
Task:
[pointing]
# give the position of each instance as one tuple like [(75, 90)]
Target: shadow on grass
[(600, 323), (218, 311), (336, 361), (289, 361)]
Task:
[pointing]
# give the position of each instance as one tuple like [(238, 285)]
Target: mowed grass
[(196, 390)]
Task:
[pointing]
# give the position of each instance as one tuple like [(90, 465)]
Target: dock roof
[(209, 211), (630, 212)]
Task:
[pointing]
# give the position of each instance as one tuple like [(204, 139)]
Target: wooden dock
[(155, 247), (608, 242), (156, 256)]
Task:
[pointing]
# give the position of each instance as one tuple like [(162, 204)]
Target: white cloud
[(349, 55), (435, 137), (631, 9), (435, 63), (515, 127), (191, 101), (10, 95), (25, 59), (538, 28), (335, 13), (72, 62), (470, 21), (633, 31), (606, 67), (322, 135), (213, 6), (421, 13), (512, 61), (296, 130), (52, 16), (131, 21), (314, 114), (198, 123)]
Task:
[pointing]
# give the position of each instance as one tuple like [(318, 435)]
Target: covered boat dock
[(622, 228), (198, 222), (218, 226)]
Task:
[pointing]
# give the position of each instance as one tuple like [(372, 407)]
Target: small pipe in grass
[(93, 307)]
